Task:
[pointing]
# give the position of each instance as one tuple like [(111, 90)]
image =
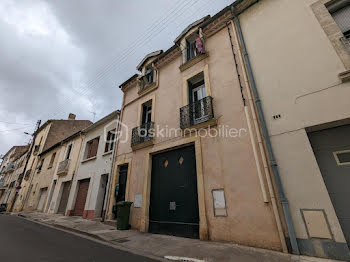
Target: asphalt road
[(23, 240)]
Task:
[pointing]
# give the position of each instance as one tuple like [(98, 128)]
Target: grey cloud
[(48, 78)]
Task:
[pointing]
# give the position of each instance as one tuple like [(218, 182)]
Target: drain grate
[(122, 240), (185, 259)]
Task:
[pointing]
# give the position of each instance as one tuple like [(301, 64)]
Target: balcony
[(193, 53), (2, 181), (63, 167), (20, 178), (10, 167), (27, 174), (197, 113), (142, 136)]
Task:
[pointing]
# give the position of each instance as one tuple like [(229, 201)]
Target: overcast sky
[(64, 56)]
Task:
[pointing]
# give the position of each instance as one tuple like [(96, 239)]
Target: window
[(69, 150), (342, 157), (52, 160), (194, 46), (197, 93), (149, 75), (91, 148), (340, 11), (41, 165), (110, 141), (146, 112), (37, 147)]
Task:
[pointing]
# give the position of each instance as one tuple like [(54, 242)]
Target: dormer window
[(148, 79), (194, 46)]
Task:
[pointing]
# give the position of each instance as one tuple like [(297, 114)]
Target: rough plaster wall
[(296, 70)]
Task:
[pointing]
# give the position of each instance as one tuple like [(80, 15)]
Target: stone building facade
[(205, 175)]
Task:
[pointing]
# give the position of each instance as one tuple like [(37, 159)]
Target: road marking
[(187, 259)]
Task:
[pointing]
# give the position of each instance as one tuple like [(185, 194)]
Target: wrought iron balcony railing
[(346, 42), (197, 112), (20, 178), (27, 174), (2, 181), (63, 167), (10, 167), (142, 134)]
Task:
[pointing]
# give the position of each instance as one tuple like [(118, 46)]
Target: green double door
[(174, 198)]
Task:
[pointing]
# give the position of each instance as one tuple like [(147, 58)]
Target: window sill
[(148, 89), (345, 76), (193, 61), (89, 159), (107, 153)]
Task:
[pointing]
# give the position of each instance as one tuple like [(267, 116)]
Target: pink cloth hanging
[(199, 45)]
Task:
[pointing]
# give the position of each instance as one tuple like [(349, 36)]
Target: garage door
[(64, 198), (174, 198), (332, 151), (42, 198), (81, 197)]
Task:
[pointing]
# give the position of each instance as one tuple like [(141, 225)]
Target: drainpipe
[(110, 178), (273, 163), (261, 146)]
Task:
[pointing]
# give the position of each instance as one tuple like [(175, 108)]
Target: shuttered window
[(91, 148)]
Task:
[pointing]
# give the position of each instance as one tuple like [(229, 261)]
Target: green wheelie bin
[(123, 215)]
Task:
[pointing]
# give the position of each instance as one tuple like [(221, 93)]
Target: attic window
[(149, 75), (148, 78), (194, 46)]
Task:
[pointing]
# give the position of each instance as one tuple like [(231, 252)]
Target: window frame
[(109, 146), (332, 30), (52, 160), (88, 148), (68, 151)]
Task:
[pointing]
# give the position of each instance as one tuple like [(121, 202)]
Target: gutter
[(110, 178), (273, 163)]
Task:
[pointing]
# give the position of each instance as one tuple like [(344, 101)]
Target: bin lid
[(124, 203)]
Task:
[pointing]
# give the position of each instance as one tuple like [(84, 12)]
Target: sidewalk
[(162, 246)]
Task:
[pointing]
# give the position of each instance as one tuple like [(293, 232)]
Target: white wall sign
[(219, 202), (138, 201)]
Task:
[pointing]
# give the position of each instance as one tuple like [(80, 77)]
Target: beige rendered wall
[(19, 170), (41, 180), (52, 206), (32, 164), (93, 169), (296, 70), (226, 162)]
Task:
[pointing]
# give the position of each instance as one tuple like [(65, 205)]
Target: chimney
[(71, 116)]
